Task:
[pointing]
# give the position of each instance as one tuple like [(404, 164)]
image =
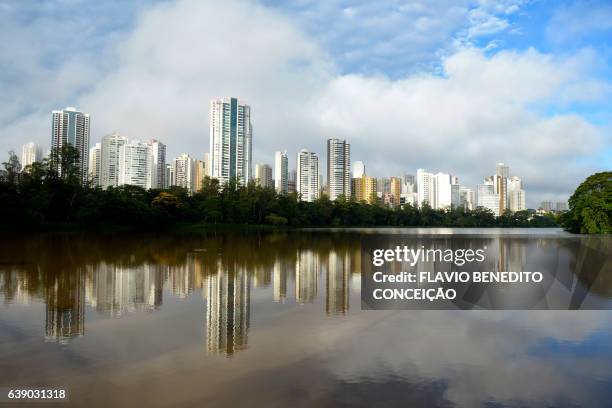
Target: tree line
[(42, 196)]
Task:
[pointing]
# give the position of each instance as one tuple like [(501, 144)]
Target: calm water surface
[(274, 319)]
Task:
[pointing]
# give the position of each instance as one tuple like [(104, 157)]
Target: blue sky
[(407, 82)]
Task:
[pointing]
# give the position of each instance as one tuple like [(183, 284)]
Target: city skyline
[(481, 81), (117, 160)]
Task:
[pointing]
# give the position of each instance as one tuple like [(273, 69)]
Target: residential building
[(231, 135), (109, 159), (199, 174), (263, 176), (281, 175), (487, 197), (95, 162), (157, 162), (71, 127), (30, 154), (184, 172), (338, 168), (134, 165), (307, 177)]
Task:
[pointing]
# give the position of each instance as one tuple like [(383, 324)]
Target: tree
[(591, 206)]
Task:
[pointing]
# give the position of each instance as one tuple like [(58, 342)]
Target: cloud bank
[(156, 78)]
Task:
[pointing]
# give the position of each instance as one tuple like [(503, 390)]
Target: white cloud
[(481, 110)]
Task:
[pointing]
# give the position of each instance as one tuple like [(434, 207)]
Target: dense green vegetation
[(591, 206), (40, 196)]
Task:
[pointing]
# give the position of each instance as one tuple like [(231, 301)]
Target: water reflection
[(122, 275)]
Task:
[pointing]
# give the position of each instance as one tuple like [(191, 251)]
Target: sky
[(445, 85)]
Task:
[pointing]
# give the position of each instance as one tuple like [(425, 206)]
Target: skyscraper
[(281, 172), (199, 174), (71, 127), (231, 135), (157, 163), (516, 194), (95, 157), (338, 168), (184, 172), (425, 186), (487, 198), (109, 159), (307, 178), (30, 153), (395, 190), (263, 176), (134, 164), (502, 170)]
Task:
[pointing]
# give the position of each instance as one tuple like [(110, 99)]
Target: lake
[(274, 319)]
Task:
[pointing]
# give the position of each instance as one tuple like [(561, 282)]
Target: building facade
[(263, 176), (134, 164), (109, 159), (338, 168), (281, 172), (30, 154), (307, 177), (231, 135), (71, 127)]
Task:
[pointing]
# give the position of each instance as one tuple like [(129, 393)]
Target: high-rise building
[(95, 162), (109, 159), (307, 177), (560, 206), (134, 164), (71, 127), (435, 190), (169, 179), (487, 197), (281, 175), (425, 187), (467, 198), (502, 170), (516, 194), (157, 162), (199, 174), (363, 189), (231, 135), (359, 170), (207, 164), (292, 182), (184, 172), (30, 154), (263, 176), (338, 168), (395, 184)]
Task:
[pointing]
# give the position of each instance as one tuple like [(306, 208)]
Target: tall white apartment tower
[(231, 135), (184, 172), (134, 164), (109, 159), (157, 163), (307, 177), (281, 172), (95, 156), (516, 194), (425, 187), (30, 153), (338, 168), (71, 127)]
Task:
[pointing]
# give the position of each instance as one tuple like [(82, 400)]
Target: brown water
[(274, 319)]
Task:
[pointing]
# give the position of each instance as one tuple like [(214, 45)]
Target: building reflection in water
[(281, 272), (337, 289), (116, 290), (228, 309), (65, 306), (306, 276)]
